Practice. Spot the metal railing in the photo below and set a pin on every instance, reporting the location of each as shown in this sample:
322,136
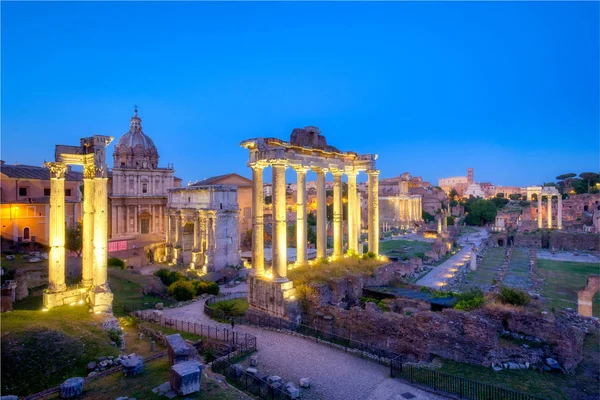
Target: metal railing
454,385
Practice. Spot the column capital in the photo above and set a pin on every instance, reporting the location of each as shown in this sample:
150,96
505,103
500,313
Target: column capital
351,172
57,169
89,171
337,173
279,162
301,169
320,169
373,172
258,165
101,172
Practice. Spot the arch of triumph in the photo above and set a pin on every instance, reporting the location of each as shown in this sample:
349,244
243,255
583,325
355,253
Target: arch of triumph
91,154
548,192
271,292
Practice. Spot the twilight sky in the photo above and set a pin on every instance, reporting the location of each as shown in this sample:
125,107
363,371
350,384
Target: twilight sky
510,89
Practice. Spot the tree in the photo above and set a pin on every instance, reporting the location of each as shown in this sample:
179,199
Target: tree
549,184
247,240
500,195
311,219
481,212
499,202
74,240
268,199
566,176
311,235
453,194
589,176
291,235
427,217
514,196
564,181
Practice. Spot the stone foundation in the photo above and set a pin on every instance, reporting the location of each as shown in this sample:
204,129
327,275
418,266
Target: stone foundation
67,297
101,301
272,298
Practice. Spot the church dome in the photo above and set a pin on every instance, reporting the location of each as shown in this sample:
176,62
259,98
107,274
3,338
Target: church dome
135,149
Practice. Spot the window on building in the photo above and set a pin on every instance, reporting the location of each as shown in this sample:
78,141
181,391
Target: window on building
26,233
31,211
46,192
67,192
144,188
22,191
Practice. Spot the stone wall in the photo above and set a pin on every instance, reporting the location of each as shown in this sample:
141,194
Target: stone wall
29,278
575,241
533,240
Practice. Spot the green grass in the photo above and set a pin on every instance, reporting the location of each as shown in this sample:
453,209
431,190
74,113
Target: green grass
155,373
403,248
127,291
487,269
241,305
29,303
42,349
562,281
321,273
170,331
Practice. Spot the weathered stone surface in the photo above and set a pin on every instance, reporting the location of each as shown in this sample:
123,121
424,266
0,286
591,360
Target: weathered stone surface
251,370
238,370
132,365
159,306
304,382
178,349
10,396
254,361
72,387
292,390
185,377
273,379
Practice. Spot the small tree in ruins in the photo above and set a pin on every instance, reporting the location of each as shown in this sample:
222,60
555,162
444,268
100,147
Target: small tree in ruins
74,241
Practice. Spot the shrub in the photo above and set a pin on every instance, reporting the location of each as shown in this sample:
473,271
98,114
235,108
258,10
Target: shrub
116,262
201,287
115,336
516,297
469,300
369,255
182,290
169,277
213,288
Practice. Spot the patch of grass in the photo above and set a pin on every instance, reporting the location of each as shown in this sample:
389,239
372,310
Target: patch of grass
155,373
170,331
562,281
321,273
406,248
239,306
127,289
29,303
42,349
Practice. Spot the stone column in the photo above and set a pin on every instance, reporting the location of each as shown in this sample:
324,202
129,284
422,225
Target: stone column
445,221
211,241
439,224
352,206
321,215
373,210
279,238
559,215
169,239
337,214
195,251
539,201
87,251
549,211
258,229
56,257
421,209
100,231
301,223
358,220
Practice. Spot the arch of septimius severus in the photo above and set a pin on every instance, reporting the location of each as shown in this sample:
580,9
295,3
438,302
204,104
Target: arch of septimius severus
91,154
549,192
271,291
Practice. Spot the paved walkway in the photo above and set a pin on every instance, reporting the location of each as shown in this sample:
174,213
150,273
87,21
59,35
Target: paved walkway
334,374
440,275
568,256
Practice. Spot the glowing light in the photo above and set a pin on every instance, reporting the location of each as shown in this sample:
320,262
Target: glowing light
73,303
97,312
292,297
80,301
269,275
44,309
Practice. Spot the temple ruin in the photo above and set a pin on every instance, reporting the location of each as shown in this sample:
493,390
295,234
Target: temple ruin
403,210
91,154
270,291
549,192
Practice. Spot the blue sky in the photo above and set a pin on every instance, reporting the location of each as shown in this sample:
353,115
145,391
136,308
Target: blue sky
508,88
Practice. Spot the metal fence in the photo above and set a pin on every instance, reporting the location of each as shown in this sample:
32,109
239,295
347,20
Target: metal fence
454,385
248,382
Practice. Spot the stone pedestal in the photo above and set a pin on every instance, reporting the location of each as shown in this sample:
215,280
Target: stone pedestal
196,260
72,387
273,298
101,301
51,300
132,365
185,377
177,256
177,348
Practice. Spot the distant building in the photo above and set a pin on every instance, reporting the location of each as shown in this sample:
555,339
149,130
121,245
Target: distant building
474,190
138,199
25,197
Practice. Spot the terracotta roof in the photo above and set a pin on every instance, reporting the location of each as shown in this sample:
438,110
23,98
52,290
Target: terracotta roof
34,172
217,180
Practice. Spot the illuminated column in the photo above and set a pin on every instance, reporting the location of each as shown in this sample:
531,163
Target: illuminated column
439,224
321,215
100,230
195,251
56,258
337,214
353,233
539,201
205,242
87,263
169,238
373,210
445,221
279,240
559,216
212,241
421,209
549,211
258,229
301,227
358,221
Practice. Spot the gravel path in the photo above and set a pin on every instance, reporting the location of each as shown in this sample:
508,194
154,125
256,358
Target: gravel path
334,374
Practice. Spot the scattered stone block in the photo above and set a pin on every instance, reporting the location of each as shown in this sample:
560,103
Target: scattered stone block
292,390
10,257
185,377
273,379
159,306
238,370
72,387
251,371
254,361
9,396
35,259
92,366
304,382
132,365
552,363
177,348
44,256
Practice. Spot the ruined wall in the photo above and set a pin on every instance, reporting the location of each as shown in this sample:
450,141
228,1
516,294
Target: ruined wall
533,240
575,241
29,278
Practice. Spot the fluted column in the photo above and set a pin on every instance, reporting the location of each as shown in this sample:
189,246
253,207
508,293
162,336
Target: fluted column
539,201
421,209
337,214
439,224
321,215
373,210
100,230
56,258
352,206
301,223
87,246
358,220
549,211
559,214
279,241
258,229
